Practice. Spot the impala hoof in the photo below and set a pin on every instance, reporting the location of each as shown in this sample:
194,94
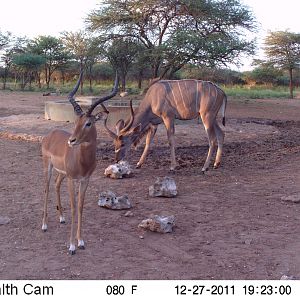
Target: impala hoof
72,249
216,166
174,168
204,170
62,220
72,252
81,245
44,227
138,166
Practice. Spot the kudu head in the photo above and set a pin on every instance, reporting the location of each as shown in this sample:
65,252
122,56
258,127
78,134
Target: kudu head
85,129
125,135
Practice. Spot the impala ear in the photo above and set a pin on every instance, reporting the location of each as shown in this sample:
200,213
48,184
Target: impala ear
119,126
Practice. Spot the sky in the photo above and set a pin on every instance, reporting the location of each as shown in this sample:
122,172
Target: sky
32,18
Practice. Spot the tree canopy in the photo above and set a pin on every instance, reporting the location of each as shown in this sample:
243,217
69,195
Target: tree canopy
283,51
53,51
27,63
174,33
4,39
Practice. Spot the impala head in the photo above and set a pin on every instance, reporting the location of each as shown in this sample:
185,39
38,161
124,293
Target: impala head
125,135
85,129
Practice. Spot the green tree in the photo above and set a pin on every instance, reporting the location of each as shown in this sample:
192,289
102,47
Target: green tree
27,64
102,71
54,53
283,51
264,72
14,45
4,39
84,49
175,32
221,76
121,53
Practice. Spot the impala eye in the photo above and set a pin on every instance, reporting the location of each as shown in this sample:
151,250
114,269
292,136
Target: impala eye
88,124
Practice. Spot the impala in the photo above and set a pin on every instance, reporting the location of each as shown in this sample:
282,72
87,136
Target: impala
165,101
73,156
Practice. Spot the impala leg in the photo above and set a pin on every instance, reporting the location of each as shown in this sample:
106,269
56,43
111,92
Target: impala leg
71,189
60,177
81,195
169,123
220,137
149,138
47,175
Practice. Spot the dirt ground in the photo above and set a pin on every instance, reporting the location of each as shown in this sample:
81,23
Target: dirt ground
231,223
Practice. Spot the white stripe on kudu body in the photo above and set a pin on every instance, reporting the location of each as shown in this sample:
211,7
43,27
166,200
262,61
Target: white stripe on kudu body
165,101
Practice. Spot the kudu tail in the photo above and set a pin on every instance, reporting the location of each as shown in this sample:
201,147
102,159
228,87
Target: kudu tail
223,108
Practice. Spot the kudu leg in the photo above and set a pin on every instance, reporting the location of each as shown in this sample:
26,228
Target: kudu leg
81,195
47,176
60,177
149,138
71,189
220,137
212,141
169,123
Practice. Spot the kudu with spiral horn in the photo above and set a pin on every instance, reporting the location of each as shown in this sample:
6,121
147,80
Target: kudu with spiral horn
165,101
73,156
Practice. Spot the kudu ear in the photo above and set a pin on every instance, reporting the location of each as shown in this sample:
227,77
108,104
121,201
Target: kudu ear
119,126
102,114
99,116
137,129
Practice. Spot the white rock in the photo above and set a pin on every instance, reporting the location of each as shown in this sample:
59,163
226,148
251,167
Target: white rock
124,94
4,220
119,170
162,224
110,200
128,214
287,277
291,198
163,187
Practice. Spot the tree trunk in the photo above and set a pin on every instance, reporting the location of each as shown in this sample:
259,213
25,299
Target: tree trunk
46,77
90,77
291,82
30,80
140,79
81,83
5,78
23,81
39,80
123,83
63,77
16,79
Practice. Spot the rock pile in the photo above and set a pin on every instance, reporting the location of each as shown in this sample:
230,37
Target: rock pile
162,224
119,170
163,187
110,200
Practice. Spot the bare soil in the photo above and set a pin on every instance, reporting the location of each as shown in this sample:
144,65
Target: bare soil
231,223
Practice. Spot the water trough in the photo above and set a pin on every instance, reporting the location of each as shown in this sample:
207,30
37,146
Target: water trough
62,110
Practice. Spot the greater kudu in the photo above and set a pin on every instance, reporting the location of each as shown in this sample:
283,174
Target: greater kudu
165,101
73,156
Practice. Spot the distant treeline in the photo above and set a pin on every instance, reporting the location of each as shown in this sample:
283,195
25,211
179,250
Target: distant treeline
102,72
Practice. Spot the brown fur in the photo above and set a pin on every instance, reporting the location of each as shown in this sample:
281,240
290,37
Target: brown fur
167,100
73,156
